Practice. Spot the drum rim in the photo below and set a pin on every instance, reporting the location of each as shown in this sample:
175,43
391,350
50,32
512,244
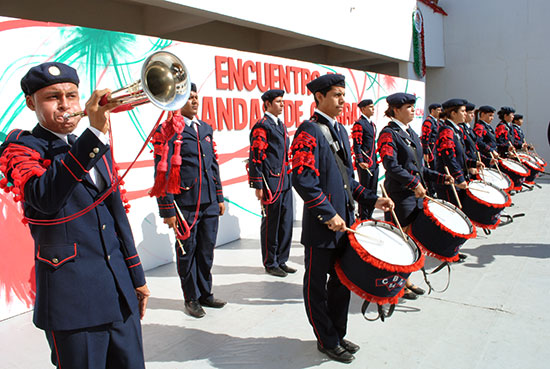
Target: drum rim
443,227
483,202
530,164
380,264
504,175
502,163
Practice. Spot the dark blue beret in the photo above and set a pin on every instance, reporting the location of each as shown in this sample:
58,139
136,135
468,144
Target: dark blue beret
270,95
470,106
507,110
365,102
326,81
518,116
193,87
453,103
486,109
434,106
47,74
400,98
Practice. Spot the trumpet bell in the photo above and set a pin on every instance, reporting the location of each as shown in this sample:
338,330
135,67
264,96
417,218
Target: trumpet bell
165,81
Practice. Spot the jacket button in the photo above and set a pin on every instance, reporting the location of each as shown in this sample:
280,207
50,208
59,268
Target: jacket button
92,155
108,257
95,150
103,227
55,260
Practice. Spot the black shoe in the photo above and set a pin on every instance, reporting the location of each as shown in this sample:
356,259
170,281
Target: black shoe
350,347
462,256
287,269
416,289
409,295
194,308
338,353
212,302
276,271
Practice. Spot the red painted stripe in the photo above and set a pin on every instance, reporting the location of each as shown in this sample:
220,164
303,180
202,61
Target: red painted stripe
56,351
22,23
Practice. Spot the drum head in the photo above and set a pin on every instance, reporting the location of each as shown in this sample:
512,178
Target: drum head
493,177
385,243
530,161
449,216
514,166
487,193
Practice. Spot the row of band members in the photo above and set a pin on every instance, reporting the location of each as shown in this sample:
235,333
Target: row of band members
90,286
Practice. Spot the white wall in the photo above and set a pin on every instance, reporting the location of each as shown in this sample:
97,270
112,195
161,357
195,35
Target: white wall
379,26
498,53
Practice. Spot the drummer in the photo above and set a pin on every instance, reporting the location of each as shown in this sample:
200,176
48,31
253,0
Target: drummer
451,152
518,138
406,175
504,132
469,136
486,140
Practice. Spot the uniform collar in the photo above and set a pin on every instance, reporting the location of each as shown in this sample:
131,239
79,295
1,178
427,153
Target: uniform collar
60,135
364,116
403,126
189,121
332,121
271,116
455,126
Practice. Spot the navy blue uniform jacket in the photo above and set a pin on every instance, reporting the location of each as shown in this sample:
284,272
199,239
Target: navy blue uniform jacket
504,135
429,135
317,180
364,142
269,145
194,173
87,267
451,152
519,137
486,141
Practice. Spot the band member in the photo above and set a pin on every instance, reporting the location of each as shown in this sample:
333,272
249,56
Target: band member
486,140
451,151
328,194
268,175
429,133
364,149
90,285
504,132
406,176
519,136
188,176
468,135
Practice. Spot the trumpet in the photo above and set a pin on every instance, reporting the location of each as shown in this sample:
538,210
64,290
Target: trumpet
164,82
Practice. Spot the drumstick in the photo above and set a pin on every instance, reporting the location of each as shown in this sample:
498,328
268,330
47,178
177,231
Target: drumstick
393,214
496,164
454,189
439,202
362,235
481,172
176,229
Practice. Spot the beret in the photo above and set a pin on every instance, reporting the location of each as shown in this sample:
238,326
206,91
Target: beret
400,99
47,74
486,109
518,116
454,102
326,81
193,87
507,110
269,95
470,106
434,106
365,102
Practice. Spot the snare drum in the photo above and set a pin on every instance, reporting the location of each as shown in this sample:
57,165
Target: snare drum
496,178
533,165
516,171
441,228
483,203
376,267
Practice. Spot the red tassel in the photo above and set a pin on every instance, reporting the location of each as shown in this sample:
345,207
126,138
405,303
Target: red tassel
174,179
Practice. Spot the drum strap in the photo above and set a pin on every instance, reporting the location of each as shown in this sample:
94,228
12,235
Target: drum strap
441,266
411,147
382,315
335,147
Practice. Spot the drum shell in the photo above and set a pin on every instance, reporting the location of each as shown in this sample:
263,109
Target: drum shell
483,214
516,177
437,239
534,168
370,278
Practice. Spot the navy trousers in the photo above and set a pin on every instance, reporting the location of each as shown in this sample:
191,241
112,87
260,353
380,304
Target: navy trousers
326,304
116,345
370,182
194,268
276,231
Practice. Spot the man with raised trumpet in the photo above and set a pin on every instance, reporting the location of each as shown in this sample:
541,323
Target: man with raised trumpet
188,189
90,285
